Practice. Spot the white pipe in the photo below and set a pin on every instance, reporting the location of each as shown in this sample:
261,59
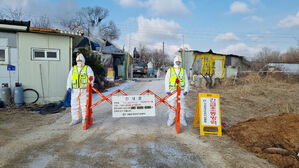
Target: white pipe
13,27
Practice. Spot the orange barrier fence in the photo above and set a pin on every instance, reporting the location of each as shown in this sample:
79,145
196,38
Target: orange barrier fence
88,118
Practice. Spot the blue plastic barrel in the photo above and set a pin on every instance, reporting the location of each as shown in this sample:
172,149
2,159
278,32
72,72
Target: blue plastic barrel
19,95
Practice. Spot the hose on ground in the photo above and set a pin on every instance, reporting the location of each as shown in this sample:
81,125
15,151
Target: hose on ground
37,95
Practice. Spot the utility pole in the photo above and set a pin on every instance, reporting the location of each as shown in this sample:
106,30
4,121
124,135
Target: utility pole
163,54
129,43
183,53
163,48
127,68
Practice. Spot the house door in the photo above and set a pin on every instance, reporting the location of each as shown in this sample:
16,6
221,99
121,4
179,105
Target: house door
218,68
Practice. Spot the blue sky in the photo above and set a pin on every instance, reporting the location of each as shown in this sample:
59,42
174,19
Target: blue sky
241,27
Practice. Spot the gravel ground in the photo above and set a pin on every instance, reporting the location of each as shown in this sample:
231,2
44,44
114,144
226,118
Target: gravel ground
118,142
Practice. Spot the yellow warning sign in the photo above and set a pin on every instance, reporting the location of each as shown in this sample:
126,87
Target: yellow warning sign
110,74
207,115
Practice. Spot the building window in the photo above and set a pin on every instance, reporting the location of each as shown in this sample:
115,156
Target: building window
228,61
3,55
45,54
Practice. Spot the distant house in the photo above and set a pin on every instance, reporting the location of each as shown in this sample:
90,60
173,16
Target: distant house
223,65
119,61
112,56
41,58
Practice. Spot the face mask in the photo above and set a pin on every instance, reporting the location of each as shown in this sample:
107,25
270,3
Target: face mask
79,64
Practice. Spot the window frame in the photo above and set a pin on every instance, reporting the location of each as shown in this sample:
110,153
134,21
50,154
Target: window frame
45,50
6,55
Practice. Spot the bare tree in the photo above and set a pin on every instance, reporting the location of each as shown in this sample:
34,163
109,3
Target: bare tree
1,15
291,56
94,15
155,56
109,31
90,18
297,39
42,22
266,55
12,14
74,24
158,58
144,52
90,21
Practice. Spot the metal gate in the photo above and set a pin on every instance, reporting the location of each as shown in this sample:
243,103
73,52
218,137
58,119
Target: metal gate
88,118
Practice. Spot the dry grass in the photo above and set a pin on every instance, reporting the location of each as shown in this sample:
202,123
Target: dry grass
255,78
254,95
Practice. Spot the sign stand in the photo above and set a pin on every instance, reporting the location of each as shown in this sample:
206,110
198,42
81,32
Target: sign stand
207,115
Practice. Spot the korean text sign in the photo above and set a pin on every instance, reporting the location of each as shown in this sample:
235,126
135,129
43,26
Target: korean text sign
133,106
210,111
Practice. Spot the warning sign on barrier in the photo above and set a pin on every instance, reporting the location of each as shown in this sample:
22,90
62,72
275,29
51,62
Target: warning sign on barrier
133,106
207,115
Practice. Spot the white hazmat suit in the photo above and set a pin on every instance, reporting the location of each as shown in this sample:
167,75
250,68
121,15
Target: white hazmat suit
79,95
172,99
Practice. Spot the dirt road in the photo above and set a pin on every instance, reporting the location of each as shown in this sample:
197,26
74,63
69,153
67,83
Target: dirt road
115,142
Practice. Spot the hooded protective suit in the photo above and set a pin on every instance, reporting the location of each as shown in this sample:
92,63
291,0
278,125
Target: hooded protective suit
172,100
76,82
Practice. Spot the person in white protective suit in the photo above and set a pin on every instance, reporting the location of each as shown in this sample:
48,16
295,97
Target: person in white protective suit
170,85
77,81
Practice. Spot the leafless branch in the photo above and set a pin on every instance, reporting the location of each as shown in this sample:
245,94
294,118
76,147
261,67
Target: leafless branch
90,21
13,14
109,31
42,22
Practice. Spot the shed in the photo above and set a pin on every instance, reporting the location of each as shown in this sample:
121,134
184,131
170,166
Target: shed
111,51
222,65
42,59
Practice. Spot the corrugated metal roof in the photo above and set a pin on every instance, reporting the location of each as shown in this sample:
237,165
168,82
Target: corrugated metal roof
112,49
54,31
211,52
244,60
109,48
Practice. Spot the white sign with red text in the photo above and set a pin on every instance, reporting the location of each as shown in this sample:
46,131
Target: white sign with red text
210,115
133,106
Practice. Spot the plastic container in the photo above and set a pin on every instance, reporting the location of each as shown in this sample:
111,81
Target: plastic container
150,67
5,94
19,95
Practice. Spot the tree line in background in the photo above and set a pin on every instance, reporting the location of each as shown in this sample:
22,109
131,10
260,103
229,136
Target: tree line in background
156,56
267,55
88,20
